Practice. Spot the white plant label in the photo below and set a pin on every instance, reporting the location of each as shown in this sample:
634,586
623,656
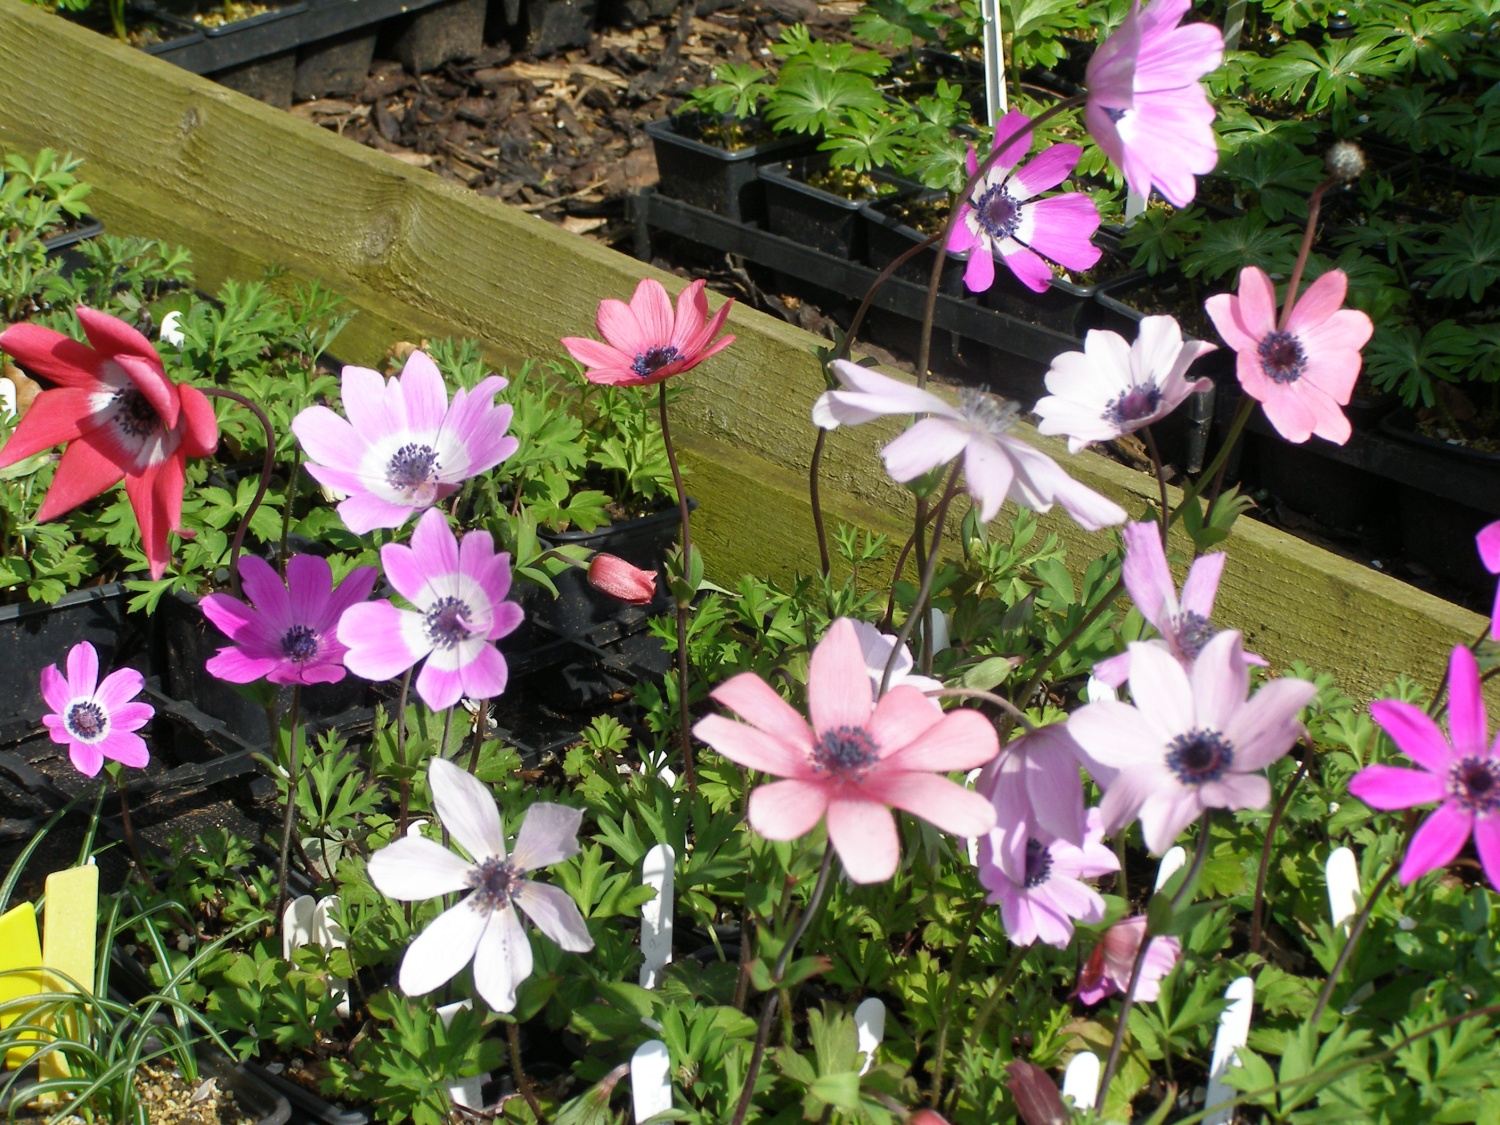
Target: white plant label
973,842
1343,888
468,1093
1171,864
994,62
330,935
650,1080
1081,1080
296,925
656,915
869,1026
1135,207
1234,1033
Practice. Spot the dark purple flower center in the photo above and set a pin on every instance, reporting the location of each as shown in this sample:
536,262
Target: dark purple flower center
845,751
1115,115
447,622
1474,782
1132,406
1038,863
1199,756
134,413
495,882
1282,357
299,643
87,720
648,363
990,413
412,467
998,212
1193,632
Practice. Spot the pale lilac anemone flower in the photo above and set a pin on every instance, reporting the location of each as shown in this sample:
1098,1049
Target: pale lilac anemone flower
1146,108
1004,219
875,647
1301,375
403,447
457,590
287,634
1109,966
996,465
1191,741
96,720
1112,388
482,927
1042,896
645,342
1461,773
1488,540
859,759
1037,791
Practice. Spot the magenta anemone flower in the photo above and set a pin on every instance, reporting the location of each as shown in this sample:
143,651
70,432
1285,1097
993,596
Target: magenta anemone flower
1146,109
287,633
1041,897
1303,374
481,927
859,759
1004,219
1488,540
457,591
1191,741
1463,774
997,466
93,720
1111,388
403,447
645,341
1109,966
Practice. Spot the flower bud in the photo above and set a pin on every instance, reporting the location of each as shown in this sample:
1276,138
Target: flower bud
612,575
926,1117
1345,161
1038,1101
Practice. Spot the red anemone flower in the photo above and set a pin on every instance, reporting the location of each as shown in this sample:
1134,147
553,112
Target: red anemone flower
120,417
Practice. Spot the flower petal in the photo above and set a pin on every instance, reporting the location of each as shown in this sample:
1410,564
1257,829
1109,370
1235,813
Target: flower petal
864,835
940,802
1417,735
747,746
1438,842
502,960
758,703
442,949
838,687
1466,717
785,810
83,668
414,868
1391,787
548,835
555,914
467,809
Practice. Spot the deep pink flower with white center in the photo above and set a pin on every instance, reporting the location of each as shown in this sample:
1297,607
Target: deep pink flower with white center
996,465
1037,792
457,591
859,759
1146,108
96,720
1112,388
1109,966
1488,540
1301,375
483,926
1191,741
645,341
403,447
1461,771
1004,219
1042,896
287,634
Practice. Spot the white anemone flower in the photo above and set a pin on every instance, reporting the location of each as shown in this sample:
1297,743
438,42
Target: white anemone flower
482,926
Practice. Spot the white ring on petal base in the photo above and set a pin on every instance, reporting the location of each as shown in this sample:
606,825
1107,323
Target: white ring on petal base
67,713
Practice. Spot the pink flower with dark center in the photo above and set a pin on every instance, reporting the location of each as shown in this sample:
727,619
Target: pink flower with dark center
612,575
1041,897
403,447
287,634
1488,540
1109,966
96,720
457,592
645,341
859,759
1461,773
1004,219
1146,108
1301,374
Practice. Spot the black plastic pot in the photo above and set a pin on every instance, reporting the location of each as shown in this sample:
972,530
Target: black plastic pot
424,41
704,175
556,25
333,67
833,224
888,236
1065,305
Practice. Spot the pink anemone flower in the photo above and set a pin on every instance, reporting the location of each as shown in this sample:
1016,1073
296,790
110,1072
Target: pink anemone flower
1460,773
859,759
645,341
1037,790
1488,541
287,634
96,720
1041,897
612,575
1004,219
457,591
1301,374
403,447
1109,966
1146,108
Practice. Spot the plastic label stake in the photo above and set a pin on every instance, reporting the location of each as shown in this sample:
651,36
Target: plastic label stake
1081,1080
1234,1033
1343,888
869,1026
20,948
296,925
70,936
468,1093
650,1080
330,935
656,915
994,63
1171,863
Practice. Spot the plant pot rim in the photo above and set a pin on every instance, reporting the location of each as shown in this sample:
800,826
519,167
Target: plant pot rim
788,173
20,611
1400,424
664,130
612,530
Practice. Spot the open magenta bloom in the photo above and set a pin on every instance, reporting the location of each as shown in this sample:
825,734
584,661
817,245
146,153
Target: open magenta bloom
96,720
859,759
457,591
1461,772
403,447
1146,108
121,418
1004,219
645,342
1301,375
288,633
1042,896
1109,966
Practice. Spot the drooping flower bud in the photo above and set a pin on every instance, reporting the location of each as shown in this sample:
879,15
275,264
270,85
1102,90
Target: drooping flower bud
1345,161
1038,1101
612,575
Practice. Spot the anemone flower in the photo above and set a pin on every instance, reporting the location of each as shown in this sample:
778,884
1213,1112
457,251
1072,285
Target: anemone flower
1044,895
1302,374
1111,388
287,634
1004,219
1109,966
96,720
645,341
403,447
1461,773
1192,741
1037,793
997,466
875,648
1146,109
482,926
612,575
1488,541
860,758
120,417
457,590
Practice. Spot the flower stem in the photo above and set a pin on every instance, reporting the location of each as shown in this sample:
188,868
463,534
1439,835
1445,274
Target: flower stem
1355,929
291,500
955,978
884,276
128,830
401,753
982,1017
289,818
1265,851
999,701
1161,481
684,713
481,718
265,478
815,497
929,571
523,1080
1314,205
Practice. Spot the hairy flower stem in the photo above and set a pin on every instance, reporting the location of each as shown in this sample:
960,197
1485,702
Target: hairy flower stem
291,500
128,830
289,818
401,753
1314,205
685,718
1083,626
955,978
1355,929
999,701
884,276
815,498
1220,463
265,479
1265,851
919,607
481,718
982,1017
1438,705
523,1080
1161,482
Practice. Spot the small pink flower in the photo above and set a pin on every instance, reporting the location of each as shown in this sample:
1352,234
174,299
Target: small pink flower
1146,109
1041,897
859,759
1462,775
1004,220
612,575
93,720
1488,540
1303,374
1109,966
645,341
